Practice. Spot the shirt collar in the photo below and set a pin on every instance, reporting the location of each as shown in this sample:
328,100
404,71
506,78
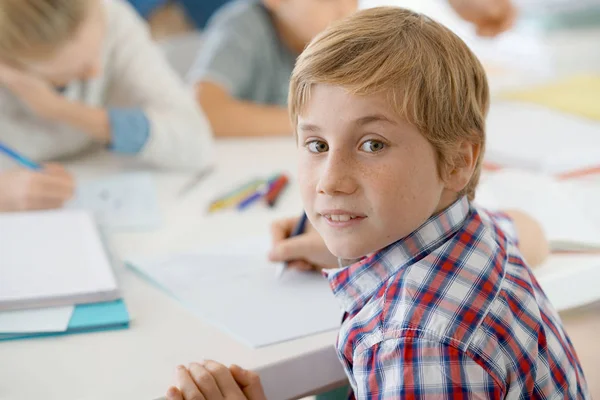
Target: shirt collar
355,284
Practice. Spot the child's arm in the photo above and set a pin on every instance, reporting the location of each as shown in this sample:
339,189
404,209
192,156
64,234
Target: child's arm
46,102
149,101
490,17
229,116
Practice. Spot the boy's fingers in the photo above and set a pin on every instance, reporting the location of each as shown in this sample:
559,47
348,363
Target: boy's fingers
56,187
301,265
205,382
249,382
281,229
187,386
222,375
174,394
298,247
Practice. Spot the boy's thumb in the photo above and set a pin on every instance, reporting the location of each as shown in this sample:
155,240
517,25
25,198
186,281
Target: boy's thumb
248,381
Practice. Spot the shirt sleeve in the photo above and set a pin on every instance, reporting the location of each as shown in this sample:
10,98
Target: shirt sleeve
151,112
228,55
413,368
506,224
129,129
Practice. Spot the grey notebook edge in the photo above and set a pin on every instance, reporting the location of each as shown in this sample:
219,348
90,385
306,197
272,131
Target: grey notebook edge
69,300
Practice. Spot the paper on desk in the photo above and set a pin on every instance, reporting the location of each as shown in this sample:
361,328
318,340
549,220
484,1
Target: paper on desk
568,211
578,95
536,138
570,280
53,319
240,294
121,202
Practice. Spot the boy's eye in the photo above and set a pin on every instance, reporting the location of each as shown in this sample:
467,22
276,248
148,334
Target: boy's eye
372,146
317,146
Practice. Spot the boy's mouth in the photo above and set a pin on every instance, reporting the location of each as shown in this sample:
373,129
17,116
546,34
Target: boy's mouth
341,217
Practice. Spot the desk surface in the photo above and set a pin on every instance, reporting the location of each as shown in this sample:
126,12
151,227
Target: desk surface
138,363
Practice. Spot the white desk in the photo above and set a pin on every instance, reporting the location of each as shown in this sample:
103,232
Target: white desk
138,363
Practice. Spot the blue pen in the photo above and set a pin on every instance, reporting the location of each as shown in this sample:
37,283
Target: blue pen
298,230
25,162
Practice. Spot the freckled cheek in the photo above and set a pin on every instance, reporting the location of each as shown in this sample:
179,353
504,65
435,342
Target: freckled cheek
308,178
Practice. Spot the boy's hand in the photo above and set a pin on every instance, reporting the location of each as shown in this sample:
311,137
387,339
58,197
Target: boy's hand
213,381
37,94
491,17
22,189
305,252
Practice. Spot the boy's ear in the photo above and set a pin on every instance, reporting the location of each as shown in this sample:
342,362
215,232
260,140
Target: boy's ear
464,163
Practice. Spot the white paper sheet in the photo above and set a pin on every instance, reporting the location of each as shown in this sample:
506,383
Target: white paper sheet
532,137
237,291
52,258
120,202
54,319
567,210
570,280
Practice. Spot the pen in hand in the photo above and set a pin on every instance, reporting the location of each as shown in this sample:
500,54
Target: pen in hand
298,230
19,158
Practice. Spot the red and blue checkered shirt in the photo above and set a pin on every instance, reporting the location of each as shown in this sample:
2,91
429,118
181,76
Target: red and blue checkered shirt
452,312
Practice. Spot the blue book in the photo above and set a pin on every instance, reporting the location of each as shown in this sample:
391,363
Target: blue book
86,318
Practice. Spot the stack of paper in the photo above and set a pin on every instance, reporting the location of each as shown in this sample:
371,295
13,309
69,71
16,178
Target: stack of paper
55,275
536,138
567,210
240,293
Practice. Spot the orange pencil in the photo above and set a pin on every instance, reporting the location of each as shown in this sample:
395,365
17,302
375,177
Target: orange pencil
276,190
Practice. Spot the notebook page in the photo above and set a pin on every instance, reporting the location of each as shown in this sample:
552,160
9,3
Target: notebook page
529,136
241,295
120,202
52,258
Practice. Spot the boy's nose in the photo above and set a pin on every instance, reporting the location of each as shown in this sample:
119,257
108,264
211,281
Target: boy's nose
337,176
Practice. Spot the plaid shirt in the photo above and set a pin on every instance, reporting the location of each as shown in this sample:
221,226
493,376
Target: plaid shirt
452,312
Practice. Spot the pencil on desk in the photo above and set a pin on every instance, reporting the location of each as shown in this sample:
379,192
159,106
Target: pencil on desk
236,198
276,190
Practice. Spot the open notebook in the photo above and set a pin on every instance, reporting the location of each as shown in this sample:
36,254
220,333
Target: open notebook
567,210
532,137
53,258
234,287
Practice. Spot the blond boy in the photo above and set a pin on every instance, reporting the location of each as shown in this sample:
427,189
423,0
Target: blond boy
389,110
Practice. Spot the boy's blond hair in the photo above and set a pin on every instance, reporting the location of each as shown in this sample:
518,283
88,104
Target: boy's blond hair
34,29
429,75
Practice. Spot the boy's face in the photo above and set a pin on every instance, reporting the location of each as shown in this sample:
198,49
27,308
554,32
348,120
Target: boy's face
308,18
81,57
368,178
